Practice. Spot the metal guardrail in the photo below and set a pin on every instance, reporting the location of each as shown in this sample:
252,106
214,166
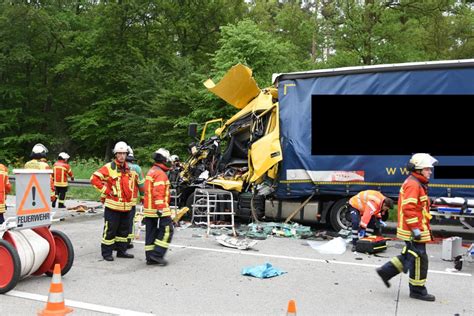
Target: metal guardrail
75,183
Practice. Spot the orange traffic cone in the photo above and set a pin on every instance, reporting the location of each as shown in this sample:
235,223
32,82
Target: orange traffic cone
55,305
291,308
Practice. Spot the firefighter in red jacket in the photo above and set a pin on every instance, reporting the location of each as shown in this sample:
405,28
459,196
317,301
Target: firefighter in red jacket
414,228
61,171
157,214
5,188
114,181
366,209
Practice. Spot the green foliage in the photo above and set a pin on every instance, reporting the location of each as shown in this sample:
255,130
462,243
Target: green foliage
79,76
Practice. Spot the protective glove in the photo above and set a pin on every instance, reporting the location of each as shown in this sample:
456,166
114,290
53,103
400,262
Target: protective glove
72,178
416,234
362,233
382,223
53,198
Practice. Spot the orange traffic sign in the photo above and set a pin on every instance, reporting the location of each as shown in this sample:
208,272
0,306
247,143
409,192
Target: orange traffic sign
33,200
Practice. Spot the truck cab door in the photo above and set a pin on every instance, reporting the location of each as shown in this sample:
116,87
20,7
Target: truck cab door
265,150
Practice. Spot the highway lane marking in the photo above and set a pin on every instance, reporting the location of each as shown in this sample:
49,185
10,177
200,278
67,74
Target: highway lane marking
298,258
77,304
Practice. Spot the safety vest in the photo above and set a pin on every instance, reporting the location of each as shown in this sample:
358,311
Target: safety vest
369,203
115,183
157,192
5,187
61,171
42,165
414,208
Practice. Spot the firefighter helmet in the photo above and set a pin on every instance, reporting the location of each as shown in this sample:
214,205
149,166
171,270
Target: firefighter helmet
121,147
39,149
130,156
174,158
161,155
421,161
64,156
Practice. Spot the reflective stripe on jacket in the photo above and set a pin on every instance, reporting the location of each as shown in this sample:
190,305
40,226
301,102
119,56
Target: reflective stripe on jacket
5,187
369,203
61,172
114,181
157,192
414,208
41,165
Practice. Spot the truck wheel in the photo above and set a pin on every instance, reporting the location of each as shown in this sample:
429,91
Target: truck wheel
64,252
10,266
340,216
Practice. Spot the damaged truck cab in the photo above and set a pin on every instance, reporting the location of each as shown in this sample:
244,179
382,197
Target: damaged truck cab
280,159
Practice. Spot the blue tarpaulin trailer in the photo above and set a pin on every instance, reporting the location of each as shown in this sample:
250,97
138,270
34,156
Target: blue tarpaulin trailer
351,129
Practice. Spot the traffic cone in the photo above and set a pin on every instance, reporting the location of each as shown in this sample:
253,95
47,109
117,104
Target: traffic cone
291,308
55,305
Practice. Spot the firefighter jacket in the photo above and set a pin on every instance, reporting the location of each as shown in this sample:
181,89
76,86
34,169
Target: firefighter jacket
5,187
157,192
414,208
114,181
369,203
138,182
41,164
61,171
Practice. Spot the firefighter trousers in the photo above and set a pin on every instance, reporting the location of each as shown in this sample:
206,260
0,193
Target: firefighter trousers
159,233
131,231
61,196
414,259
114,236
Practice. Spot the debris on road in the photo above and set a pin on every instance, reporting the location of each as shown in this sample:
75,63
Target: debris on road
233,242
264,271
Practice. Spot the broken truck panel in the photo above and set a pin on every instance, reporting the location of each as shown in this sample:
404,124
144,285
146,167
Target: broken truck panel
237,87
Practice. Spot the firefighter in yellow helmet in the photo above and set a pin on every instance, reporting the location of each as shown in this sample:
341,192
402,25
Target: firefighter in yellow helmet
414,228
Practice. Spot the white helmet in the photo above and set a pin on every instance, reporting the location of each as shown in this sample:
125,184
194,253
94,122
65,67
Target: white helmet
420,161
39,149
130,151
120,147
163,152
63,155
174,158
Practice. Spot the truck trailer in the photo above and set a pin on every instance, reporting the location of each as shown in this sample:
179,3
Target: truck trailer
302,147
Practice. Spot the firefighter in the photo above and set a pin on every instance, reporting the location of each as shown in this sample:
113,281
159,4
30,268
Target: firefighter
114,181
366,209
158,223
138,187
414,228
38,161
5,188
61,171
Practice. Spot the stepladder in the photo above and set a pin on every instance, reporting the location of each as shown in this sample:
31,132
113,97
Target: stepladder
212,205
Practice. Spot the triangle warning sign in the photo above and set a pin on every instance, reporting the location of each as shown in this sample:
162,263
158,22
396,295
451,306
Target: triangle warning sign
33,200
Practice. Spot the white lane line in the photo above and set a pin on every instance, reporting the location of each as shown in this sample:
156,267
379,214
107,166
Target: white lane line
299,258
77,304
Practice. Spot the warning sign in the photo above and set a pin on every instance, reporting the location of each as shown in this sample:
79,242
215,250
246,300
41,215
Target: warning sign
32,197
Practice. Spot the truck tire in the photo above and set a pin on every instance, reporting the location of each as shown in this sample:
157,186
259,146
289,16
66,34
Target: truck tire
339,216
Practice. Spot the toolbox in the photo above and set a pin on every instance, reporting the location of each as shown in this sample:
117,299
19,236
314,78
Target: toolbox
371,244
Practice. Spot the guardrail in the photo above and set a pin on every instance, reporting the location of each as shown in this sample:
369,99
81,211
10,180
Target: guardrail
75,183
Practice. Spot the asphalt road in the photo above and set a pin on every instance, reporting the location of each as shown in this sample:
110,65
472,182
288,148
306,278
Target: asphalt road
204,278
